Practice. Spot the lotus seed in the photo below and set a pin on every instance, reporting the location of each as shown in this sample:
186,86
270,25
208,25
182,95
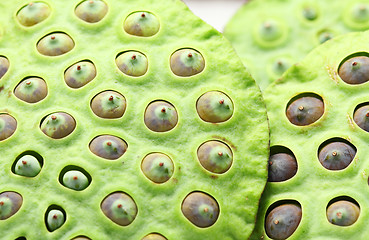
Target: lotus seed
282,166
55,219
27,166
336,155
132,63
270,30
58,125
75,180
305,110
31,90
361,117
143,24
186,62
201,209
91,11
8,125
282,221
108,147
33,13
119,208
81,238
215,156
157,167
55,44
109,104
343,213
310,13
10,203
79,74
214,107
154,236
4,66
360,13
160,116
355,70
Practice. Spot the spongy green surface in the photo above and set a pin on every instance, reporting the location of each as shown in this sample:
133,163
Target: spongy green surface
314,186
159,206
300,35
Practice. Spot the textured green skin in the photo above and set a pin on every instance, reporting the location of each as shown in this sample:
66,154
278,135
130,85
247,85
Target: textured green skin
159,206
302,34
313,186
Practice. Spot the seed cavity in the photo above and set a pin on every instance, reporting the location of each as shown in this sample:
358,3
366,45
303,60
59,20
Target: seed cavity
109,104
55,217
143,24
8,125
10,203
120,208
305,109
215,156
282,164
79,74
91,11
33,13
154,236
132,63
28,164
200,209
4,66
108,147
336,154
31,90
75,178
343,211
354,70
55,44
160,116
187,62
58,125
157,167
214,107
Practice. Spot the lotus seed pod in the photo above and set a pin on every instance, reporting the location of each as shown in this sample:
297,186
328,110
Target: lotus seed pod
91,11
132,63
186,62
8,125
143,24
55,44
160,116
361,117
305,110
75,180
109,104
79,74
343,213
157,167
215,156
58,125
119,208
282,221
10,203
154,236
289,27
33,13
355,70
55,219
282,166
108,147
31,90
27,166
4,66
214,107
336,155
200,209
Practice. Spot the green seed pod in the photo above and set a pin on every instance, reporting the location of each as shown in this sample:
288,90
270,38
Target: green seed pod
79,74
201,209
91,11
109,104
108,147
282,166
305,110
186,62
55,219
157,167
8,125
58,125
33,13
215,156
132,63
160,116
119,208
31,90
355,70
361,117
10,203
55,44
343,213
214,107
143,24
27,166
75,180
154,236
4,66
336,155
282,221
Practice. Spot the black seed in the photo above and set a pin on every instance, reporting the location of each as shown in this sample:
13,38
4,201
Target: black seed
282,166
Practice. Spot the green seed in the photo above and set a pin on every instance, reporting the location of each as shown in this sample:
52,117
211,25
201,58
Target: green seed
4,66
132,63
55,219
55,44
10,203
79,74
270,30
360,13
160,116
143,24
91,11
108,147
8,125
75,180
325,35
309,13
215,156
186,62
214,107
336,155
157,167
343,213
58,125
33,13
109,104
31,90
27,166
305,110
355,70
154,236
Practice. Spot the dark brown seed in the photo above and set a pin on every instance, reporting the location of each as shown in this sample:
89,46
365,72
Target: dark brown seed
31,90
186,62
282,221
160,116
305,111
361,117
55,44
10,203
109,104
8,125
343,213
4,66
91,11
215,156
201,209
58,125
282,166
336,155
108,147
355,70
